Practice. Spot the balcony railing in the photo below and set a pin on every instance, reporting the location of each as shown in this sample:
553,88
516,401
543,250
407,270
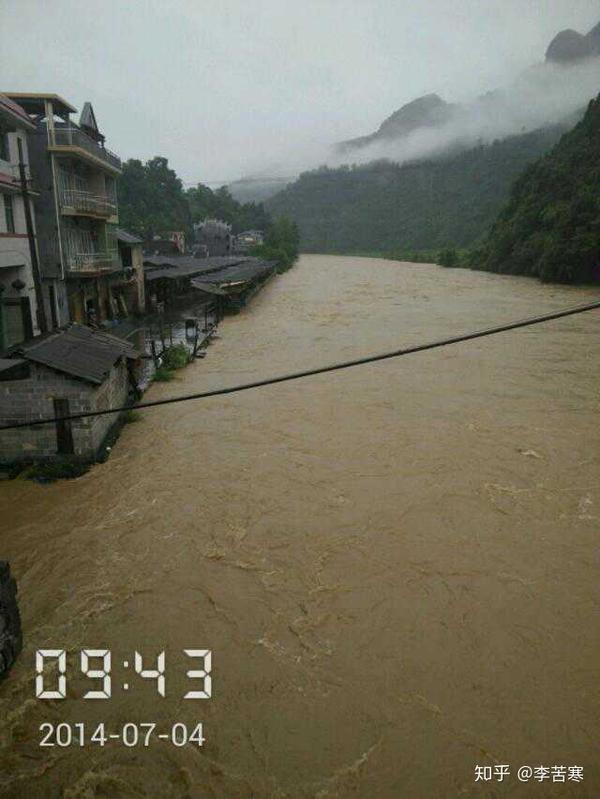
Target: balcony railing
87,203
75,137
93,261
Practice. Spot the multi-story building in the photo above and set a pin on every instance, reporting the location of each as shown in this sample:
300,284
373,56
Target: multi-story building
18,305
76,211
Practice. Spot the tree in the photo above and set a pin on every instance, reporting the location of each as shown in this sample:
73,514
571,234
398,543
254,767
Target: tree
152,202
151,198
415,206
281,243
550,227
205,203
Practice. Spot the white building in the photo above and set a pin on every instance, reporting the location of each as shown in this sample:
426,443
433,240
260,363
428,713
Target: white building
18,306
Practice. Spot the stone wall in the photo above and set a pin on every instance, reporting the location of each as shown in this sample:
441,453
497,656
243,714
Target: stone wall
32,398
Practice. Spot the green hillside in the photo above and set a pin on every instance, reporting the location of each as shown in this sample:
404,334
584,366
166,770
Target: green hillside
550,227
382,206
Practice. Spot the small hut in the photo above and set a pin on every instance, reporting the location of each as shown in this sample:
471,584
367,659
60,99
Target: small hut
71,370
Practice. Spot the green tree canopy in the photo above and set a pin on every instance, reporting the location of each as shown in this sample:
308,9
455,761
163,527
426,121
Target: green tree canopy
281,243
550,227
151,198
383,207
152,201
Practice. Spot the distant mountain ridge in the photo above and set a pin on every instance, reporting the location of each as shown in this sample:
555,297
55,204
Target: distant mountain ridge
569,46
257,189
429,204
431,128
430,112
427,111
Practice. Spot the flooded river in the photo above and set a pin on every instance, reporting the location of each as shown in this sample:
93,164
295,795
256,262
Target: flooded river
395,567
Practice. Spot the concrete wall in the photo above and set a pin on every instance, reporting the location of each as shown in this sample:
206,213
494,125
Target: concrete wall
15,259
32,398
138,264
47,227
131,257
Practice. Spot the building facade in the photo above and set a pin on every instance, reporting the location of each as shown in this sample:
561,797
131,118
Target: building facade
132,261
76,211
18,302
215,236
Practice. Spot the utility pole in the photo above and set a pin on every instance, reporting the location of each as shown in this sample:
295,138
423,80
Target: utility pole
35,264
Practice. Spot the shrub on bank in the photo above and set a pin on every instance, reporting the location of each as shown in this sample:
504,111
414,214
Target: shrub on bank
280,245
175,357
59,469
448,258
162,375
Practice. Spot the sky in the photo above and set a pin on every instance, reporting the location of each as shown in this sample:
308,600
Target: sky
231,88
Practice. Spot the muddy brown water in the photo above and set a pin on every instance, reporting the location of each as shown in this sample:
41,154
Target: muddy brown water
395,567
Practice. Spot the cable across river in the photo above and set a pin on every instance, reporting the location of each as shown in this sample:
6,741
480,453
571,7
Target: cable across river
269,381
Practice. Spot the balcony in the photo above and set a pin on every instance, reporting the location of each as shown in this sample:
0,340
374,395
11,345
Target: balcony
89,263
85,203
70,136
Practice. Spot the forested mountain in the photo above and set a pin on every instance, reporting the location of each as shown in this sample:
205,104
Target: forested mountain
384,206
550,227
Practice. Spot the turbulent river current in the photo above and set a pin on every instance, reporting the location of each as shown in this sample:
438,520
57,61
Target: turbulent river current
395,567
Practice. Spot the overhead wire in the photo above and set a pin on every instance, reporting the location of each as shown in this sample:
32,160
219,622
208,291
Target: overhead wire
269,381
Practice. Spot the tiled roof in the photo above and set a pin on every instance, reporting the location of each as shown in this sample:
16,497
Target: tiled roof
126,237
14,110
174,266
78,351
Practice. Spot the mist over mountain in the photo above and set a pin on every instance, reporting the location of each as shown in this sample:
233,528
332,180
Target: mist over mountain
569,46
541,95
388,207
257,189
429,111
429,126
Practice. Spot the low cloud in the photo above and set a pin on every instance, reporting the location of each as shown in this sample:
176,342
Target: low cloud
543,95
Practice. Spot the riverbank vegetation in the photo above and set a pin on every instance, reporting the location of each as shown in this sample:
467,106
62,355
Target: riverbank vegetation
281,244
550,227
428,205
173,358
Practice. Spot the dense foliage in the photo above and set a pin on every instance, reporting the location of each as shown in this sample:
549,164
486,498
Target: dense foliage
382,207
152,201
281,243
151,198
550,227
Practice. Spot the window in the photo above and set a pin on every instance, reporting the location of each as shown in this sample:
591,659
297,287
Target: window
9,213
4,148
16,324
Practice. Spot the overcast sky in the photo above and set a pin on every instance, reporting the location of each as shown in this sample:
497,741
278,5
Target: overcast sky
235,87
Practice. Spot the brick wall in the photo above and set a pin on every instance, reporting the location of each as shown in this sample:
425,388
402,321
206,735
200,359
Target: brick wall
32,398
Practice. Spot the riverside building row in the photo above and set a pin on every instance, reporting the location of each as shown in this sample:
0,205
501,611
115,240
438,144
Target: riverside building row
70,278
66,269
69,262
